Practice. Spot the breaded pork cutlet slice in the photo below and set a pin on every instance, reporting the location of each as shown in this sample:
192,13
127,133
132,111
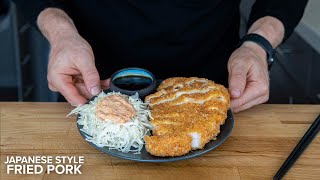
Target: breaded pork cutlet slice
176,144
202,130
185,107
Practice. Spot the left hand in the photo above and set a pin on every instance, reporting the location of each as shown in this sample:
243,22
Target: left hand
248,77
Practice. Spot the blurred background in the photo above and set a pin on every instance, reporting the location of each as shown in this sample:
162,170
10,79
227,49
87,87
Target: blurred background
24,55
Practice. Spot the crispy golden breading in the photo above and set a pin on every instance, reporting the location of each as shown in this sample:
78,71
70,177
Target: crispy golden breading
185,107
168,144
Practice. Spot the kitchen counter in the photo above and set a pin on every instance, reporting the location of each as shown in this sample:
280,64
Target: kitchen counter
261,140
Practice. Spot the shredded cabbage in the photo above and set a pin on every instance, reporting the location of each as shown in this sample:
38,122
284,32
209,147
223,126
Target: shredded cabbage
125,137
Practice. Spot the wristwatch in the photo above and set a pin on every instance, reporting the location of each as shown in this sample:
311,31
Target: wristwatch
262,42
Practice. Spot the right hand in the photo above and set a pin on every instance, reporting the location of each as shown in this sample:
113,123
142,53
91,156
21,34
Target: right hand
72,71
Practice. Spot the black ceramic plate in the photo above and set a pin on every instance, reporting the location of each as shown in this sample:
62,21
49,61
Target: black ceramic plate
144,156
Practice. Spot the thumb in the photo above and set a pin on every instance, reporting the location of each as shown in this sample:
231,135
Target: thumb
105,83
91,78
237,80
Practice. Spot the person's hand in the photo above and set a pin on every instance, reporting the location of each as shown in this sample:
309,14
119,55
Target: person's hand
72,71
248,77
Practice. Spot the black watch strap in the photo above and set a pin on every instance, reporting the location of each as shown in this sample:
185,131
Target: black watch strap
261,41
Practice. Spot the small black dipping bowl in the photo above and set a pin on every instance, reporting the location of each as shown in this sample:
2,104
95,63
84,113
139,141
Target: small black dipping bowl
133,80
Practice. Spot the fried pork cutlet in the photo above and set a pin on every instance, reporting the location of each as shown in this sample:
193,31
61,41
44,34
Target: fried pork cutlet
186,114
176,144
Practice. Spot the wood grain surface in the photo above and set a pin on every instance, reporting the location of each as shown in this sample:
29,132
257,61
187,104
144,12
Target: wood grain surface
261,140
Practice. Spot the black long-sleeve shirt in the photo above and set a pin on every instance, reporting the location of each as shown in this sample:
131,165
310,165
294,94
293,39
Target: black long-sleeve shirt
169,37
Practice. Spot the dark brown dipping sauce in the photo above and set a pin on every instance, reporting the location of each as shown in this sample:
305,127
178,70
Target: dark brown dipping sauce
132,82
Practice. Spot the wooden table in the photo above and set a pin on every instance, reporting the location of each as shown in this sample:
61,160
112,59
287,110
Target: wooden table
261,140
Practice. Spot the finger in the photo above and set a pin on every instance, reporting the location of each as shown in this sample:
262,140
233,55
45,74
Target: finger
78,79
105,83
66,87
52,88
83,90
237,79
90,76
250,104
252,92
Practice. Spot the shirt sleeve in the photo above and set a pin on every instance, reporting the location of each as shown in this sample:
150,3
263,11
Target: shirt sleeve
289,12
